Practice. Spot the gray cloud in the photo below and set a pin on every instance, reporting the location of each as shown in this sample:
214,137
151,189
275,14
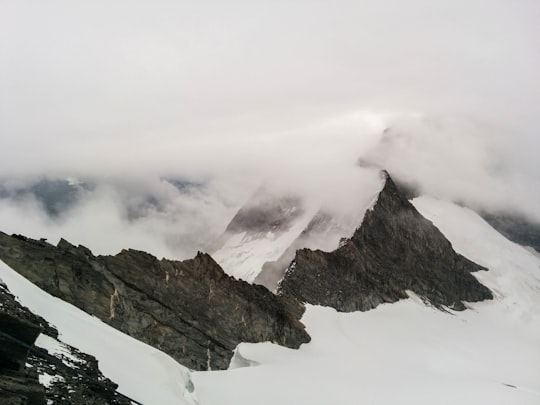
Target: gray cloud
461,160
229,93
147,214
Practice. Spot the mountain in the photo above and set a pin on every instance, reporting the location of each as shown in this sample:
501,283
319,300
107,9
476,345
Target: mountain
35,366
395,250
393,256
407,352
325,232
142,373
191,310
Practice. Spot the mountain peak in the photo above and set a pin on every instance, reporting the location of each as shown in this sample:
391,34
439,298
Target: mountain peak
394,251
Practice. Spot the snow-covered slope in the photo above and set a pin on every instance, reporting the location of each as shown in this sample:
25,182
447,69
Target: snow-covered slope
142,372
407,353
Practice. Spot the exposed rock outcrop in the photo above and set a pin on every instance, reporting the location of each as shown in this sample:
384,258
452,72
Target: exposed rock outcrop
189,309
395,249
31,375
18,385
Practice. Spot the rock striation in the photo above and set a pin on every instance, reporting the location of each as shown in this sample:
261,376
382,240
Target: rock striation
395,250
189,309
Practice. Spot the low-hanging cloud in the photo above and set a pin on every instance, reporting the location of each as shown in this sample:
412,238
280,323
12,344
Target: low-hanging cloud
151,215
458,159
228,94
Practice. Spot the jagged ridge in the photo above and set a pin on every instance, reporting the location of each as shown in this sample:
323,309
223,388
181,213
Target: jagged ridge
189,309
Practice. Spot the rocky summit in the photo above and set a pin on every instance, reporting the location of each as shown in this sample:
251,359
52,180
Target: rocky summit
189,309
394,251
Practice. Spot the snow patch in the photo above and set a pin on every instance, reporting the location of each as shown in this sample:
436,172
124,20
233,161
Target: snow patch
47,380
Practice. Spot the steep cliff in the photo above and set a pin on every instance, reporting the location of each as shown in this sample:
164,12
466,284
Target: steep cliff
31,374
18,330
189,309
394,250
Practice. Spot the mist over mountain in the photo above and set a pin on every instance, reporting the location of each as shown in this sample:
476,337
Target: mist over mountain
169,217
232,96
459,159
251,137
175,216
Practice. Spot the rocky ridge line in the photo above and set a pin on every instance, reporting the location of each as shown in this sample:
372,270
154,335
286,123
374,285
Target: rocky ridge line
395,250
189,309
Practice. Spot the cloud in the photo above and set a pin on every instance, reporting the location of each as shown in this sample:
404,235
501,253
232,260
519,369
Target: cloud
459,159
229,93
176,216
151,215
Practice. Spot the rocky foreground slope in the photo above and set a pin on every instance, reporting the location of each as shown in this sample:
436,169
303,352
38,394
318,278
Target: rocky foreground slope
395,250
32,375
189,309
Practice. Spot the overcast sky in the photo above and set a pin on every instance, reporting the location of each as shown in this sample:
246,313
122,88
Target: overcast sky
92,85
217,88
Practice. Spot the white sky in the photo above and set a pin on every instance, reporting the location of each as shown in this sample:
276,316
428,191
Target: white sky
109,84
295,89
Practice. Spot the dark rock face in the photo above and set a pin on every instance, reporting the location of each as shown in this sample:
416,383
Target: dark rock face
327,229
18,385
394,250
12,354
74,380
20,388
189,309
